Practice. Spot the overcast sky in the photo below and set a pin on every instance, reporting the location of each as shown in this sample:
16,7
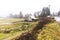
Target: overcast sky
26,6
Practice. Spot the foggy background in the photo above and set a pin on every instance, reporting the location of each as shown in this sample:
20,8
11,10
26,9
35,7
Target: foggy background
26,6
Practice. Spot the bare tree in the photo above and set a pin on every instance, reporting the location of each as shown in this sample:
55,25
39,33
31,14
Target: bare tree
45,12
11,15
59,13
20,15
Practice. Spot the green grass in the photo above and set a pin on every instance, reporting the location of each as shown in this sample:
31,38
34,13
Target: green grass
51,31
9,35
8,26
15,27
2,36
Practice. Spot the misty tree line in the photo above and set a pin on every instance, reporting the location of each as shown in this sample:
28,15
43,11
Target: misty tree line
45,12
20,15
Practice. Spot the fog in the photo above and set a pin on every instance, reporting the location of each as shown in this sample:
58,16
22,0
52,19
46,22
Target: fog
26,6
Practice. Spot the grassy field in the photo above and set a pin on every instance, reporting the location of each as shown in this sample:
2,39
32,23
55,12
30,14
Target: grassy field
4,36
3,27
51,31
13,28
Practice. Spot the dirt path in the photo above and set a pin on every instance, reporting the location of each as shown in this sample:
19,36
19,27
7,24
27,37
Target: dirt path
32,35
